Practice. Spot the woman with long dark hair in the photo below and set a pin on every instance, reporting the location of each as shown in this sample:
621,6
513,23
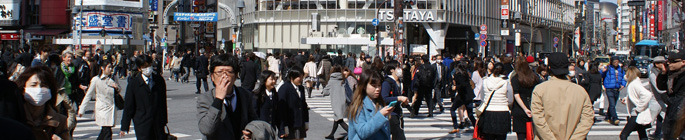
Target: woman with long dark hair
523,84
495,121
265,97
592,82
464,95
40,94
367,115
104,88
477,77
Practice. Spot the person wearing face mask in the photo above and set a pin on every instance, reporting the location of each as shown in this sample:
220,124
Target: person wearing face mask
40,95
392,91
439,88
104,88
572,76
613,83
145,92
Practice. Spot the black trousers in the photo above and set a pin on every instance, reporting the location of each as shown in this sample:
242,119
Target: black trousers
437,96
199,82
494,137
105,133
427,96
631,126
397,127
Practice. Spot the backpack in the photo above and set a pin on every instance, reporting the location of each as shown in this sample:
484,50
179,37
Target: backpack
348,92
426,76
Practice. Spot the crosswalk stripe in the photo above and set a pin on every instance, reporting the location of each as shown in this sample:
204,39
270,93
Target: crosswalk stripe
422,127
86,128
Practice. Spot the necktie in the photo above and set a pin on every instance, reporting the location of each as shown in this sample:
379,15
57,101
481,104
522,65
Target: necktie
228,102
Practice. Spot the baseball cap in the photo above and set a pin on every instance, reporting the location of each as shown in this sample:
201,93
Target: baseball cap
677,54
558,63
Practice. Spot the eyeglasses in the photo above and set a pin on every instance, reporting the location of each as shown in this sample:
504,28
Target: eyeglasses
224,73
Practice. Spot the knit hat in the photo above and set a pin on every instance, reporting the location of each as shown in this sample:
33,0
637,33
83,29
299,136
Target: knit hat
530,59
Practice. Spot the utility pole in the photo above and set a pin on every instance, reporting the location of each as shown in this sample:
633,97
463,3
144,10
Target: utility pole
531,6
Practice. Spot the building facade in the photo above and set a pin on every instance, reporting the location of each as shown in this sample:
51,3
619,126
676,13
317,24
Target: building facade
429,26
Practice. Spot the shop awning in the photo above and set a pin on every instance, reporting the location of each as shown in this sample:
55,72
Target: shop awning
46,32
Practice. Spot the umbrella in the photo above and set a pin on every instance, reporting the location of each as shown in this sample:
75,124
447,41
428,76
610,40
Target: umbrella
261,55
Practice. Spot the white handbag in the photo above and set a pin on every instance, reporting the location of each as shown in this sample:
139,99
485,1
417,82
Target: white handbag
644,117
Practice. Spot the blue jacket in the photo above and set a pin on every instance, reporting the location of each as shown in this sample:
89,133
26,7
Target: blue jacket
389,91
369,124
610,81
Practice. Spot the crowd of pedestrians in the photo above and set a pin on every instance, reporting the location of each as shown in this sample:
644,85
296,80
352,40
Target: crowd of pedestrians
540,97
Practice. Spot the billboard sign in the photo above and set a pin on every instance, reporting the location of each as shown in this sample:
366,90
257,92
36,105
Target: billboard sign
9,11
110,21
120,3
200,17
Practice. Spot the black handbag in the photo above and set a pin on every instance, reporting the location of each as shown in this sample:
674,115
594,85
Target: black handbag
118,100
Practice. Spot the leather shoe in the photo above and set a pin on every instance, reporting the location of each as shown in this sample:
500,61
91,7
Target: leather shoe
454,131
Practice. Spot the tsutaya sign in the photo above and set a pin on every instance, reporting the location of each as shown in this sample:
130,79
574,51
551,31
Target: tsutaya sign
410,15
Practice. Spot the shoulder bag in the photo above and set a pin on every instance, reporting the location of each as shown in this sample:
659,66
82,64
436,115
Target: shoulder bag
481,108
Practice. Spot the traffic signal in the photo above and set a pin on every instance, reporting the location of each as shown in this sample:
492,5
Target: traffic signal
103,33
373,37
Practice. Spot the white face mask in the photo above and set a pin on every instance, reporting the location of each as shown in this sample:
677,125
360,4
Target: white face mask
147,71
399,72
571,73
625,77
37,96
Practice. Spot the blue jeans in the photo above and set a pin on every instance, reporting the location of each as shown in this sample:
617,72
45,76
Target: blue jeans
469,111
612,96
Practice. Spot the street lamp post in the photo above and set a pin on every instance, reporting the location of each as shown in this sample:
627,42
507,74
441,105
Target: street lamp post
241,6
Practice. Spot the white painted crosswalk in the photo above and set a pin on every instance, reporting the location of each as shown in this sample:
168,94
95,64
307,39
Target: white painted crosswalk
437,127
87,129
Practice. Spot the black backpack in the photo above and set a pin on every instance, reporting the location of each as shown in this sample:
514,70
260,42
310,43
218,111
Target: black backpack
426,76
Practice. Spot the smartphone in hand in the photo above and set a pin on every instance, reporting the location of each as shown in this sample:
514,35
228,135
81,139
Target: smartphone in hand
392,104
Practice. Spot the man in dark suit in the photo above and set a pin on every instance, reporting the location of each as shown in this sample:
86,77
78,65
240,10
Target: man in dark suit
440,76
249,72
225,111
156,63
201,72
145,103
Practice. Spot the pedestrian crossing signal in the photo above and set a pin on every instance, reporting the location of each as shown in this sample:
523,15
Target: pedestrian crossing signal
103,33
373,37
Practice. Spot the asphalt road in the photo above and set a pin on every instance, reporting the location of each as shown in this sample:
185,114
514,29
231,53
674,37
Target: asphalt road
183,121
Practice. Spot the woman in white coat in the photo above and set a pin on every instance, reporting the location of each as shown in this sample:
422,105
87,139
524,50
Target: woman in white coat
103,87
637,102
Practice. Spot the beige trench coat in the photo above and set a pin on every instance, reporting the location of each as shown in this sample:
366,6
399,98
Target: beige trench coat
561,110
105,111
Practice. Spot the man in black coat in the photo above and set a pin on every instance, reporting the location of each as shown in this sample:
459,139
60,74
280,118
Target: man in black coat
145,103
187,63
156,63
672,79
84,73
201,72
424,84
226,110
249,72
